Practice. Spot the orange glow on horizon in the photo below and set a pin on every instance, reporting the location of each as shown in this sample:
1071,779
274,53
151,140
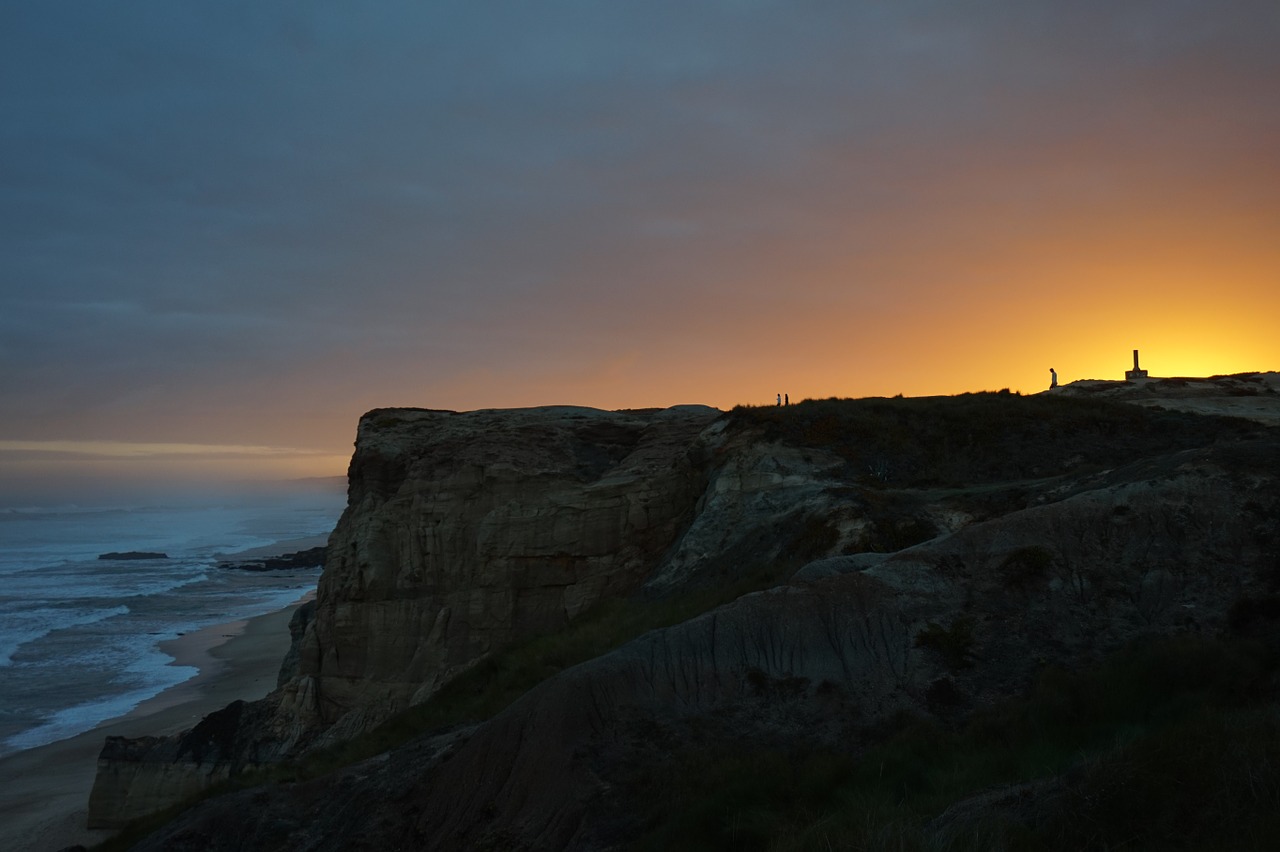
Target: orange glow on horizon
951,301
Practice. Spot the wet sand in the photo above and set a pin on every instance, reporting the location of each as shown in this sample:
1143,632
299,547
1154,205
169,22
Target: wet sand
44,791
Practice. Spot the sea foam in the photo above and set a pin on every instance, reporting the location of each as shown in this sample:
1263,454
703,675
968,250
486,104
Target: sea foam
79,636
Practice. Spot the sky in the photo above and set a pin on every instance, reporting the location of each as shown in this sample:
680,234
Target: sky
228,229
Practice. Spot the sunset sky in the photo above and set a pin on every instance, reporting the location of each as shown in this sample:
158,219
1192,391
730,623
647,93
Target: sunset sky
228,229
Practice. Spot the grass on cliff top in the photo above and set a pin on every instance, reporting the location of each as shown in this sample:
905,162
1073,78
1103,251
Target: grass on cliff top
977,438
1170,745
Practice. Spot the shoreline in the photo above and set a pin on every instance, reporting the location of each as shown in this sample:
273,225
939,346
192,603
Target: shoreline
44,791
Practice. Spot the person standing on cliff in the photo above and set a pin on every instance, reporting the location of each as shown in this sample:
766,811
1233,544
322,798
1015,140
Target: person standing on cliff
779,399
786,399
1053,378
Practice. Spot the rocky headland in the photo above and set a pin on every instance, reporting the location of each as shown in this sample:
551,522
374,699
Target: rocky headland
312,557
655,603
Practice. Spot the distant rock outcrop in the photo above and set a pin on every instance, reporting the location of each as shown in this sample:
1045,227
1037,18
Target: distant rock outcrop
310,558
132,555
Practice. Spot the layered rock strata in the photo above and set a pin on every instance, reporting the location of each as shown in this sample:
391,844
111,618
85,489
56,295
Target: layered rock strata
467,531
463,533
1066,528
1155,548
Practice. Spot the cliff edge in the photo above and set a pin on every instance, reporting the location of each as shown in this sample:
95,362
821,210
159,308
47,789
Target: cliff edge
922,558
463,533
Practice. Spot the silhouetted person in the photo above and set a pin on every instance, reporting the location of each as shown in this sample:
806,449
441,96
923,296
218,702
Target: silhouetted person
779,399
786,399
1053,378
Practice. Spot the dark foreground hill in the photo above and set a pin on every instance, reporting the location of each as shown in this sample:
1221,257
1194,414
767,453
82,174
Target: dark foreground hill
978,622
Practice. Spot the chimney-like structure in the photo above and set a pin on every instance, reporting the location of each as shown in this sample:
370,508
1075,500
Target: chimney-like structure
1135,373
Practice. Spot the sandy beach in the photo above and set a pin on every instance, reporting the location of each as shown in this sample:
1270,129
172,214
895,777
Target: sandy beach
44,791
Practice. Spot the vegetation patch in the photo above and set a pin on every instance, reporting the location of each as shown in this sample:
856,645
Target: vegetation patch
814,538
1026,566
889,535
1173,744
971,439
502,677
489,686
764,686
954,644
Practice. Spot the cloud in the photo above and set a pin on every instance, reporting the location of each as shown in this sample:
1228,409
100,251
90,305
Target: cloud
245,221
133,450
115,470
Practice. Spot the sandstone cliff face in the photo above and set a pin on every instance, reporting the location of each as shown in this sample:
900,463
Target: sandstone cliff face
756,492
137,777
465,532
1157,547
822,660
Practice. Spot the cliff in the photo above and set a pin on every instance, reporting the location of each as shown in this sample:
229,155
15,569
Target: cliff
464,532
919,557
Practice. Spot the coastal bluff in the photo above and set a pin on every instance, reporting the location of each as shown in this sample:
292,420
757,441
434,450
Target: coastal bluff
920,558
464,532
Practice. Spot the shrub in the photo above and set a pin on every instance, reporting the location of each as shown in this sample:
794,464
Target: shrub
889,535
1168,744
943,697
954,644
815,538
1026,566
1246,610
985,437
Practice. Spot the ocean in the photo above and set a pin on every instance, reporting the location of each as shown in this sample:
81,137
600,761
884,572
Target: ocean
79,636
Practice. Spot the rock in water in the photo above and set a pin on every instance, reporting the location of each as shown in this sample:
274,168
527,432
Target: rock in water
133,554
310,558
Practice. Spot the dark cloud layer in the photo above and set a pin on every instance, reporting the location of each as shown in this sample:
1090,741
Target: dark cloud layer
263,204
